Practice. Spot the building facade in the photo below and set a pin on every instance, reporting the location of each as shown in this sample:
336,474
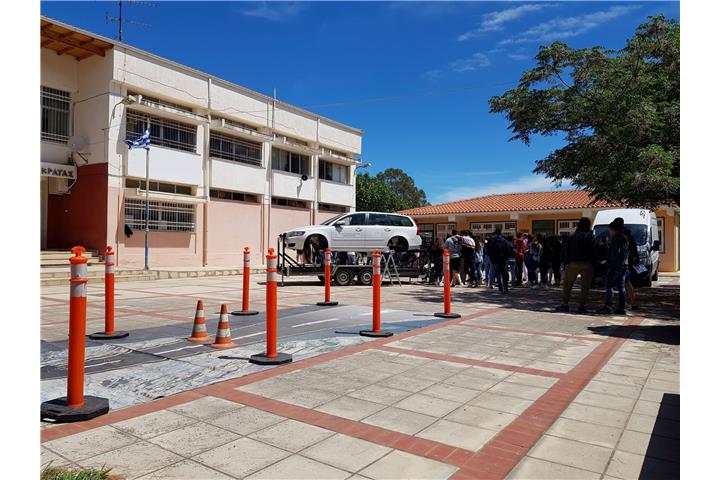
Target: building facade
549,213
228,167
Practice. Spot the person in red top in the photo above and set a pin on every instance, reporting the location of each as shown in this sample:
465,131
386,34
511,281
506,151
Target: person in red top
520,247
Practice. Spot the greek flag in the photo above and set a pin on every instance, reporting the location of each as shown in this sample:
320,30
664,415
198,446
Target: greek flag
142,142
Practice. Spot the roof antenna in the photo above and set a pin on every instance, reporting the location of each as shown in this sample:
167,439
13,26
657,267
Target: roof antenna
120,20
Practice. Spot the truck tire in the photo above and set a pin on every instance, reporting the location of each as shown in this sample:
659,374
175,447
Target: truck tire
343,277
364,276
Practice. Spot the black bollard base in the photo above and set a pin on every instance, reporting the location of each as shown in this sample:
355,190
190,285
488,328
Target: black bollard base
58,411
380,333
244,313
326,304
448,315
262,359
108,336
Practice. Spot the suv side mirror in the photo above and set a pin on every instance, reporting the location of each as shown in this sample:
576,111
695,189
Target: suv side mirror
655,246
340,223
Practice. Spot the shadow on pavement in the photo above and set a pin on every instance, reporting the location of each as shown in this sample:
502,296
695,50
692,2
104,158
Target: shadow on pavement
667,334
662,458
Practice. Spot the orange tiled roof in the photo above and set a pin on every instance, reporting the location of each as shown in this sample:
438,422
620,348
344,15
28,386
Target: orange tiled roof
514,202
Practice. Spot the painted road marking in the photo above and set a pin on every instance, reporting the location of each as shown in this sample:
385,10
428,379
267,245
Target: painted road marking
314,323
175,349
370,313
103,363
251,335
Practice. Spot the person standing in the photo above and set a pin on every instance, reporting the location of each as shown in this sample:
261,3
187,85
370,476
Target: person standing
633,261
512,260
545,260
487,265
454,248
436,253
555,258
532,260
500,250
579,258
467,252
617,263
520,247
479,254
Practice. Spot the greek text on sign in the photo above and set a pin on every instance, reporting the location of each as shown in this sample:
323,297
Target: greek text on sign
57,170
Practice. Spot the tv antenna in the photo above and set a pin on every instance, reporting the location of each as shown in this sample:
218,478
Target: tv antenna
120,20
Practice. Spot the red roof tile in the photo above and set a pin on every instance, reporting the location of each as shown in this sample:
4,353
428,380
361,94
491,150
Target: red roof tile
515,202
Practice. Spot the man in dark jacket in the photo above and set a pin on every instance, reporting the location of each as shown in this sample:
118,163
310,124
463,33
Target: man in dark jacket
579,257
499,250
617,261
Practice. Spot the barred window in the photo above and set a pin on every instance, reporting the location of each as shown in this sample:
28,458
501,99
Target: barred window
163,132
230,148
328,207
159,186
55,115
236,196
287,202
333,172
290,162
163,216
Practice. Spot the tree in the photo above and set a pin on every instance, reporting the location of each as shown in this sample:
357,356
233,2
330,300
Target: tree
619,112
404,186
372,194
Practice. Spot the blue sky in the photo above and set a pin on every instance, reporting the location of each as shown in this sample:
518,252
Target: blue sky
415,77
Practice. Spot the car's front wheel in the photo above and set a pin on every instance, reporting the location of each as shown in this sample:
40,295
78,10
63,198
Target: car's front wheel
314,249
399,244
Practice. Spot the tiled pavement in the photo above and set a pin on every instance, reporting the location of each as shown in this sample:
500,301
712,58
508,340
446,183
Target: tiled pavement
497,393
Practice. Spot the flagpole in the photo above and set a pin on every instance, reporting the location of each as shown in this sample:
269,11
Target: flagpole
147,199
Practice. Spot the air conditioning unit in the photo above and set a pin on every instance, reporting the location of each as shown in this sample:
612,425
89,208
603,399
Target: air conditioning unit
58,186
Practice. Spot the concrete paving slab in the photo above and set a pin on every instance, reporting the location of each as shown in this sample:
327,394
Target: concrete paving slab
134,460
336,451
571,453
186,470
193,439
88,444
457,434
297,467
399,420
241,457
246,420
291,435
400,465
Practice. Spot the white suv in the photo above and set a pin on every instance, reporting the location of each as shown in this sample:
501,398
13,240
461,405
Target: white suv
357,232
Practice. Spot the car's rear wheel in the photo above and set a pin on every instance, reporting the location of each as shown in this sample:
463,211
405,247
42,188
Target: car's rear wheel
399,244
343,277
314,249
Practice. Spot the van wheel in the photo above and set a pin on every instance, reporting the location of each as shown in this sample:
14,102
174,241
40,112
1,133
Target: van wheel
399,244
365,276
343,277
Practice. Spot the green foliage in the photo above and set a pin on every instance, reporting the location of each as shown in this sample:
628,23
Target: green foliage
58,473
389,191
619,112
404,186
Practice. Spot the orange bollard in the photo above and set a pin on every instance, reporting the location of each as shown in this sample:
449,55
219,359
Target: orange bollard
447,313
76,406
271,356
246,286
223,339
327,302
199,331
376,283
109,332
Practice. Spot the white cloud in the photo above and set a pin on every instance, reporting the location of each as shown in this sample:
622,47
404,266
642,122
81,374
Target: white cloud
473,62
565,27
528,183
518,56
274,11
494,21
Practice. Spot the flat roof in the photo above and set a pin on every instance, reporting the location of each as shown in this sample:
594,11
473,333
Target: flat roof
47,20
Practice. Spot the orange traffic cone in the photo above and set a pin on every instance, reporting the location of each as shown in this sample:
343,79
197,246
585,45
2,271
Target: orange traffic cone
223,338
199,331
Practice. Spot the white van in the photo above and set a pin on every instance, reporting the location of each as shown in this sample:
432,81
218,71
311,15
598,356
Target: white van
643,225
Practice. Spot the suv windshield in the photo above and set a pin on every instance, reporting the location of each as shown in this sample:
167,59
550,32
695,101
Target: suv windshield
639,232
331,220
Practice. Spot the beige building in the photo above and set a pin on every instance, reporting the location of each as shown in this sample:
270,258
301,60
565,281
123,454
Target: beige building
549,213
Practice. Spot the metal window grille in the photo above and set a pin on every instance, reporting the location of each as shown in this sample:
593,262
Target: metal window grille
55,115
230,148
236,196
163,132
328,207
566,227
290,162
287,202
163,216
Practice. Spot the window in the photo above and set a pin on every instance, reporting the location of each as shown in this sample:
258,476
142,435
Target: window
400,221
235,196
163,132
163,216
287,202
55,115
159,187
229,148
567,227
333,172
661,233
484,230
379,219
290,162
443,230
355,219
544,227
426,227
326,207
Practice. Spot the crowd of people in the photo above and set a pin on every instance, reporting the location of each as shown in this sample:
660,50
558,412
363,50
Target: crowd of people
538,261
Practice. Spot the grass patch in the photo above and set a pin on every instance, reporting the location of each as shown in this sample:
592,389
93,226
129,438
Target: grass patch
59,473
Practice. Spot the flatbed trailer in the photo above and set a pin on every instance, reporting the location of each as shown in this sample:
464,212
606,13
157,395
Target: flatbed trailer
408,265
